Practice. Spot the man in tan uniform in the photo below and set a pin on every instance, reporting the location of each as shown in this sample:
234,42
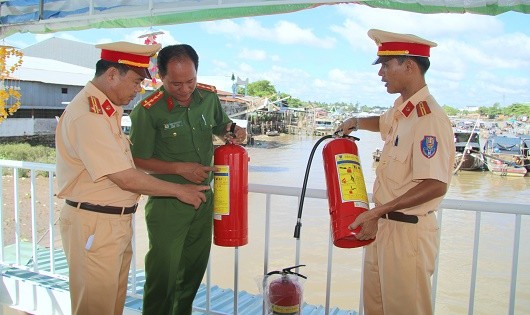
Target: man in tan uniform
412,177
97,177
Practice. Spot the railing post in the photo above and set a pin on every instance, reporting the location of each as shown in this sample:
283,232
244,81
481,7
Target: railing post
236,277
330,267
476,241
515,263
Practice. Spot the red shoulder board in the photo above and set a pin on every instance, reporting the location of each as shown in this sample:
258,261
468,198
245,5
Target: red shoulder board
206,87
94,105
407,109
152,99
423,109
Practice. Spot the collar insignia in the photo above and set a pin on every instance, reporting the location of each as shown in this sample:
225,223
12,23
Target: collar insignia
170,103
107,108
407,109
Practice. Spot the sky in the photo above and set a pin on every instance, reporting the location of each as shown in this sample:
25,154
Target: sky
324,54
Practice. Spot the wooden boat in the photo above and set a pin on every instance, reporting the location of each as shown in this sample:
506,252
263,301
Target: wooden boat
468,155
504,156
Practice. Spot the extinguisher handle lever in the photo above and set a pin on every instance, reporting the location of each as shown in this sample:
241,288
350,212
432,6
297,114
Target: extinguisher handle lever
340,134
289,271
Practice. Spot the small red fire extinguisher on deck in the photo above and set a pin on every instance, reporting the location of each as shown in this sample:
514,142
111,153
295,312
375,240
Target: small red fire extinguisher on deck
284,294
231,195
347,197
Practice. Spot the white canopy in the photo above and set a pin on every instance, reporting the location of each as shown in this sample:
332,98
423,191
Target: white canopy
48,16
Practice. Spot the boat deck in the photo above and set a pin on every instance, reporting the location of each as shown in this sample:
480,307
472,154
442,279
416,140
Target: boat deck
220,299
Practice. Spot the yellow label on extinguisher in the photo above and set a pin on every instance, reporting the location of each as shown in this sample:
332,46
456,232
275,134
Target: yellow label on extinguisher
221,186
285,310
351,179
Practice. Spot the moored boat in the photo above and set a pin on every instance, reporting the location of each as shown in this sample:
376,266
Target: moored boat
504,156
468,155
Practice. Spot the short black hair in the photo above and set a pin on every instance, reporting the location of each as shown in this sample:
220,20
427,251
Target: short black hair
104,65
423,62
175,52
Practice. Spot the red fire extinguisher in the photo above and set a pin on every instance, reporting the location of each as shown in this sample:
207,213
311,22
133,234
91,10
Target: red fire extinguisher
285,294
346,189
230,195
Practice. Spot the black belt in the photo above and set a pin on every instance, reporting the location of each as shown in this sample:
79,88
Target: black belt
102,209
401,217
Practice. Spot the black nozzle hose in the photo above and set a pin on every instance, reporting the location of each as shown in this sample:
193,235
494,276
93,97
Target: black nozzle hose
298,225
304,185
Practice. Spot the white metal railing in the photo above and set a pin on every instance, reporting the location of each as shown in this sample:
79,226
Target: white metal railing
478,207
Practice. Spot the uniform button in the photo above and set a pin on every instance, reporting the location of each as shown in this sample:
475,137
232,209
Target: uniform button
193,128
174,134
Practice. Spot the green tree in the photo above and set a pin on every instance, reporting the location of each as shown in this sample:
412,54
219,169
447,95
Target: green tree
517,110
450,111
262,88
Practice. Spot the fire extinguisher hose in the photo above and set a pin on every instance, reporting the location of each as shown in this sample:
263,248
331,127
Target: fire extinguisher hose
298,226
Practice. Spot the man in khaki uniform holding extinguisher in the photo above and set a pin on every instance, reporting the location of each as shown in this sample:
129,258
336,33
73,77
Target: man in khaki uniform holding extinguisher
412,177
97,177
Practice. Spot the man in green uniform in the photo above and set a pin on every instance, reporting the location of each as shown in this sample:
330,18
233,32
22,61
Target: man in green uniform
171,134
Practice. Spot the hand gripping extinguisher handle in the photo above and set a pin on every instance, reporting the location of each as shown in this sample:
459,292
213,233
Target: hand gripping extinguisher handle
231,132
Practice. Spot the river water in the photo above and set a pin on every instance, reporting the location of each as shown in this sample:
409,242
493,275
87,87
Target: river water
283,162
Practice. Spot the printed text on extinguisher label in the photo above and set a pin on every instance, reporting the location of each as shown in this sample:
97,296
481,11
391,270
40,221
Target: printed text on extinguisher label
351,180
221,185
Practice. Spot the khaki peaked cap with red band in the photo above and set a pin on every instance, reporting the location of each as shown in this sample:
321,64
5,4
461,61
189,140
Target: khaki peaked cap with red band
395,44
135,56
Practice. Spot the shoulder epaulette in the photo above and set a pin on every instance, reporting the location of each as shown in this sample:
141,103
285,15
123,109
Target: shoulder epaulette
94,105
152,99
422,109
206,87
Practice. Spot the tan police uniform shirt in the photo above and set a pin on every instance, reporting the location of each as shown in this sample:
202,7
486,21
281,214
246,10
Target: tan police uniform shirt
419,144
90,145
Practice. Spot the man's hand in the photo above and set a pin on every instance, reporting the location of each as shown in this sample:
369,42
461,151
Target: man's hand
239,133
349,125
192,194
368,222
195,172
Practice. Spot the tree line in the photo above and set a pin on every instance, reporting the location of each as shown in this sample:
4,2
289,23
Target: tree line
265,88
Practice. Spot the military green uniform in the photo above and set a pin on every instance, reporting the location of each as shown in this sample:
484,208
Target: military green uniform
179,236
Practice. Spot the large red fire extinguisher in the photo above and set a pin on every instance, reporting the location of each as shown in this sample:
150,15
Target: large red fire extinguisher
284,294
346,190
230,195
